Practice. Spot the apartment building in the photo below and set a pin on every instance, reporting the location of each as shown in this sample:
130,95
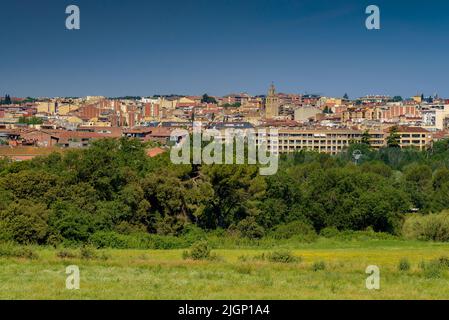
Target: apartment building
334,141
321,140
412,137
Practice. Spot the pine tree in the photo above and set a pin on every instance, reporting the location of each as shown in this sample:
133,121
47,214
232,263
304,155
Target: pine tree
7,99
366,138
393,138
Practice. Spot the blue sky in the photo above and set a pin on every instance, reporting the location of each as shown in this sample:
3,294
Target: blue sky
142,47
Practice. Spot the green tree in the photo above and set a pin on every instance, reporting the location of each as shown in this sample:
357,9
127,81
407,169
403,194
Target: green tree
7,99
366,138
208,99
327,110
393,138
25,221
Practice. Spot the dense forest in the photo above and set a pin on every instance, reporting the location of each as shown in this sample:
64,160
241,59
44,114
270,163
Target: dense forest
113,187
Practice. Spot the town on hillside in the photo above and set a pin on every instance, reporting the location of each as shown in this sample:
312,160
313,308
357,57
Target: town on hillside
31,127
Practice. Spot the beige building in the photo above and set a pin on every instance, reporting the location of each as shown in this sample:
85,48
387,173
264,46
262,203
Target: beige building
271,104
413,137
334,141
304,113
46,107
66,109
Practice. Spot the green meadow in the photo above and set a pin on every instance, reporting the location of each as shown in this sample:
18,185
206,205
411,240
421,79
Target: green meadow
325,269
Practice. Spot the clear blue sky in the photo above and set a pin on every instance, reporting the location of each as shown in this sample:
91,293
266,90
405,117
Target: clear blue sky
141,47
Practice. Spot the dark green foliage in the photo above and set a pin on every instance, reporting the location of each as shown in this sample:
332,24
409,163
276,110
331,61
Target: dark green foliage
30,120
66,254
319,266
297,229
5,100
433,269
393,138
199,251
404,265
444,261
249,228
207,99
10,250
113,195
25,222
282,256
87,253
329,232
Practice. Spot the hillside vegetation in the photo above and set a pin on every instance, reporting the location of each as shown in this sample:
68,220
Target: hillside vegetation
113,195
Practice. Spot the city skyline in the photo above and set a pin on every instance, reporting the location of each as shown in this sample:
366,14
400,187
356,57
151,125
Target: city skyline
146,48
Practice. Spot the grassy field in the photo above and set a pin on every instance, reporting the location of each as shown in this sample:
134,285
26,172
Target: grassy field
164,274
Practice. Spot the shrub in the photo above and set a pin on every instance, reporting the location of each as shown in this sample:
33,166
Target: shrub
248,228
9,250
191,233
404,265
26,252
427,227
282,257
165,242
108,239
329,232
66,254
112,239
365,235
432,269
319,265
199,251
73,224
296,229
25,222
444,261
87,253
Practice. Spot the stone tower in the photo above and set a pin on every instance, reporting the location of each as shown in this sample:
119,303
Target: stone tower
271,103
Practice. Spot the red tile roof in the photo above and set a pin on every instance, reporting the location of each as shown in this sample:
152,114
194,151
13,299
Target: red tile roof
155,152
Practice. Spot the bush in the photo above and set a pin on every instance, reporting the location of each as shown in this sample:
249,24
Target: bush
165,242
66,254
296,229
444,261
10,250
88,253
108,239
366,235
199,251
282,257
112,239
404,265
25,222
192,234
432,269
329,232
248,228
433,227
319,265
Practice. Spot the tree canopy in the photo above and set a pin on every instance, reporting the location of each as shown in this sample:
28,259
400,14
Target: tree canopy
114,187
